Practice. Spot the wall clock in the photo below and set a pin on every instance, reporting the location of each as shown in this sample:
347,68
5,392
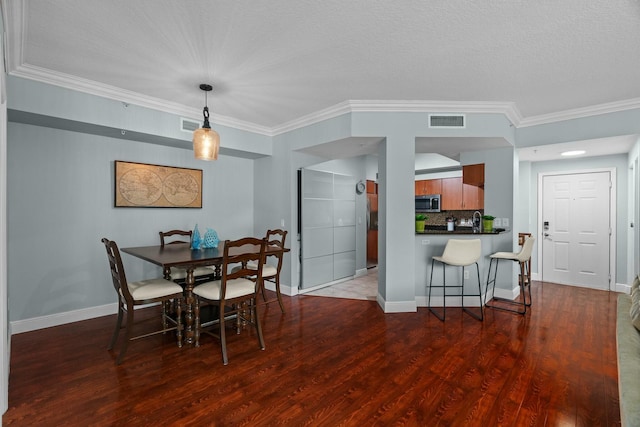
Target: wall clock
360,187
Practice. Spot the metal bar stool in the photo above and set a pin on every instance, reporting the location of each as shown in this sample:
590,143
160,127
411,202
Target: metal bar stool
460,253
523,258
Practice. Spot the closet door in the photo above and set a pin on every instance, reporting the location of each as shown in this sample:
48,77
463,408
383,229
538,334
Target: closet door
344,227
327,227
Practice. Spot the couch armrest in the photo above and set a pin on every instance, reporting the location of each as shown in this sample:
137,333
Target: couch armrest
628,346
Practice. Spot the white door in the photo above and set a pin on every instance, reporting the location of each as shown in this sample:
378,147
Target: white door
576,229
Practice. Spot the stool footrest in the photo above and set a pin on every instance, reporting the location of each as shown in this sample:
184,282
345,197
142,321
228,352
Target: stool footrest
508,302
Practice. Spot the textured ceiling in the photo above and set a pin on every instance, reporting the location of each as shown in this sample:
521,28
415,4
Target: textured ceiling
275,62
272,62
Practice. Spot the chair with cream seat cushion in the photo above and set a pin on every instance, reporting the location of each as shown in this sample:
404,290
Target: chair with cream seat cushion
131,294
460,253
235,293
177,274
523,259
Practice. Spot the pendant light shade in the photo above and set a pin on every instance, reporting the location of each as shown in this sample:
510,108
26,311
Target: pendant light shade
206,141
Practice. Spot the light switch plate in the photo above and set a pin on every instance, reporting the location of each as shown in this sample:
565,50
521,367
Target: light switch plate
497,222
505,222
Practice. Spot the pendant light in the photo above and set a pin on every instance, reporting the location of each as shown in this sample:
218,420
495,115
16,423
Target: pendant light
206,141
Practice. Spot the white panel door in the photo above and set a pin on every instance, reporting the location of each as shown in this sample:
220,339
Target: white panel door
576,224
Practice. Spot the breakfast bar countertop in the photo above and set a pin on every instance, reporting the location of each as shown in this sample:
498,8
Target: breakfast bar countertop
458,230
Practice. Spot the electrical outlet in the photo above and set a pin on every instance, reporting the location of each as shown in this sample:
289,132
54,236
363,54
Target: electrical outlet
497,222
425,242
505,222
466,274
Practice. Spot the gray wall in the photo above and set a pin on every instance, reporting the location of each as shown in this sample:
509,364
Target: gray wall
76,198
60,203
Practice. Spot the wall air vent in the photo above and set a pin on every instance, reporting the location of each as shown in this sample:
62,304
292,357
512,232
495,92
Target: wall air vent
451,121
187,125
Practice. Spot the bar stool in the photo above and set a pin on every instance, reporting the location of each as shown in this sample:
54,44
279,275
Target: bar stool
459,253
523,258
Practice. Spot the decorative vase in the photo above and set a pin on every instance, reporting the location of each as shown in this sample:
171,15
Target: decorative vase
487,225
419,226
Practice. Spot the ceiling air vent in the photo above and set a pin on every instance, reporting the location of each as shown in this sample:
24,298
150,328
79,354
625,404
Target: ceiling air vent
187,125
446,121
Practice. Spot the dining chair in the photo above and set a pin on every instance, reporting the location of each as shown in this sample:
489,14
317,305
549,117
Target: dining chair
271,272
178,274
460,253
523,258
236,291
131,294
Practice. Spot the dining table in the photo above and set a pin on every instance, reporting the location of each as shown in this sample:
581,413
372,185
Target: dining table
183,256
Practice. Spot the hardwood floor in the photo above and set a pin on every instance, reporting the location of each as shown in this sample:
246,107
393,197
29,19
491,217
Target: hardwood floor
335,362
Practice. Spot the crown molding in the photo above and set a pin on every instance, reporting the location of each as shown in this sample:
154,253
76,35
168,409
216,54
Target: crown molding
508,109
578,113
90,87
385,106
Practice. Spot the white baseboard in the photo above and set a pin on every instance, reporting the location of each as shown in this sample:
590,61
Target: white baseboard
622,287
397,306
284,289
35,323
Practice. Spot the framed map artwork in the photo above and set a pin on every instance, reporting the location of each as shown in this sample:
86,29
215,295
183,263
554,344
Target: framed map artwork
140,185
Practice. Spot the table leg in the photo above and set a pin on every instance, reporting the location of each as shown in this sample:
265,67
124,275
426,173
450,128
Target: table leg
189,301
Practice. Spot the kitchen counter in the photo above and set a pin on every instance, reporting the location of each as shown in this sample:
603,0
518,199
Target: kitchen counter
442,229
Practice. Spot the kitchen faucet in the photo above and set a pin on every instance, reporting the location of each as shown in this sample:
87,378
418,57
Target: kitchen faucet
476,221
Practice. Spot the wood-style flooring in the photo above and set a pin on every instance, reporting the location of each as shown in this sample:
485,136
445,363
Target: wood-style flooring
335,362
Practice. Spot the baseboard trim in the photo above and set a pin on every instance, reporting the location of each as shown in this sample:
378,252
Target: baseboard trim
622,287
397,306
35,323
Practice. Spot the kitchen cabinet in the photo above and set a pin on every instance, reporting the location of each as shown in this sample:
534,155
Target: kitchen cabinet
433,186
460,193
472,197
426,187
473,175
459,196
451,194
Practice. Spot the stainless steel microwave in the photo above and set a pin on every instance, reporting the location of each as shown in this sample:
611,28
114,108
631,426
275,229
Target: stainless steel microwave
429,203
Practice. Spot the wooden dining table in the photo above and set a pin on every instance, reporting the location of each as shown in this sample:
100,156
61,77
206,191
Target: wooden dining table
184,257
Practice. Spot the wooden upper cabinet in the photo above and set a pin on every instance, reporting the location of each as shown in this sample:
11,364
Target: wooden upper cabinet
451,194
472,197
465,192
428,186
433,186
473,175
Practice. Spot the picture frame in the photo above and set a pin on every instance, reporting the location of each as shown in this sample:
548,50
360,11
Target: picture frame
144,185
